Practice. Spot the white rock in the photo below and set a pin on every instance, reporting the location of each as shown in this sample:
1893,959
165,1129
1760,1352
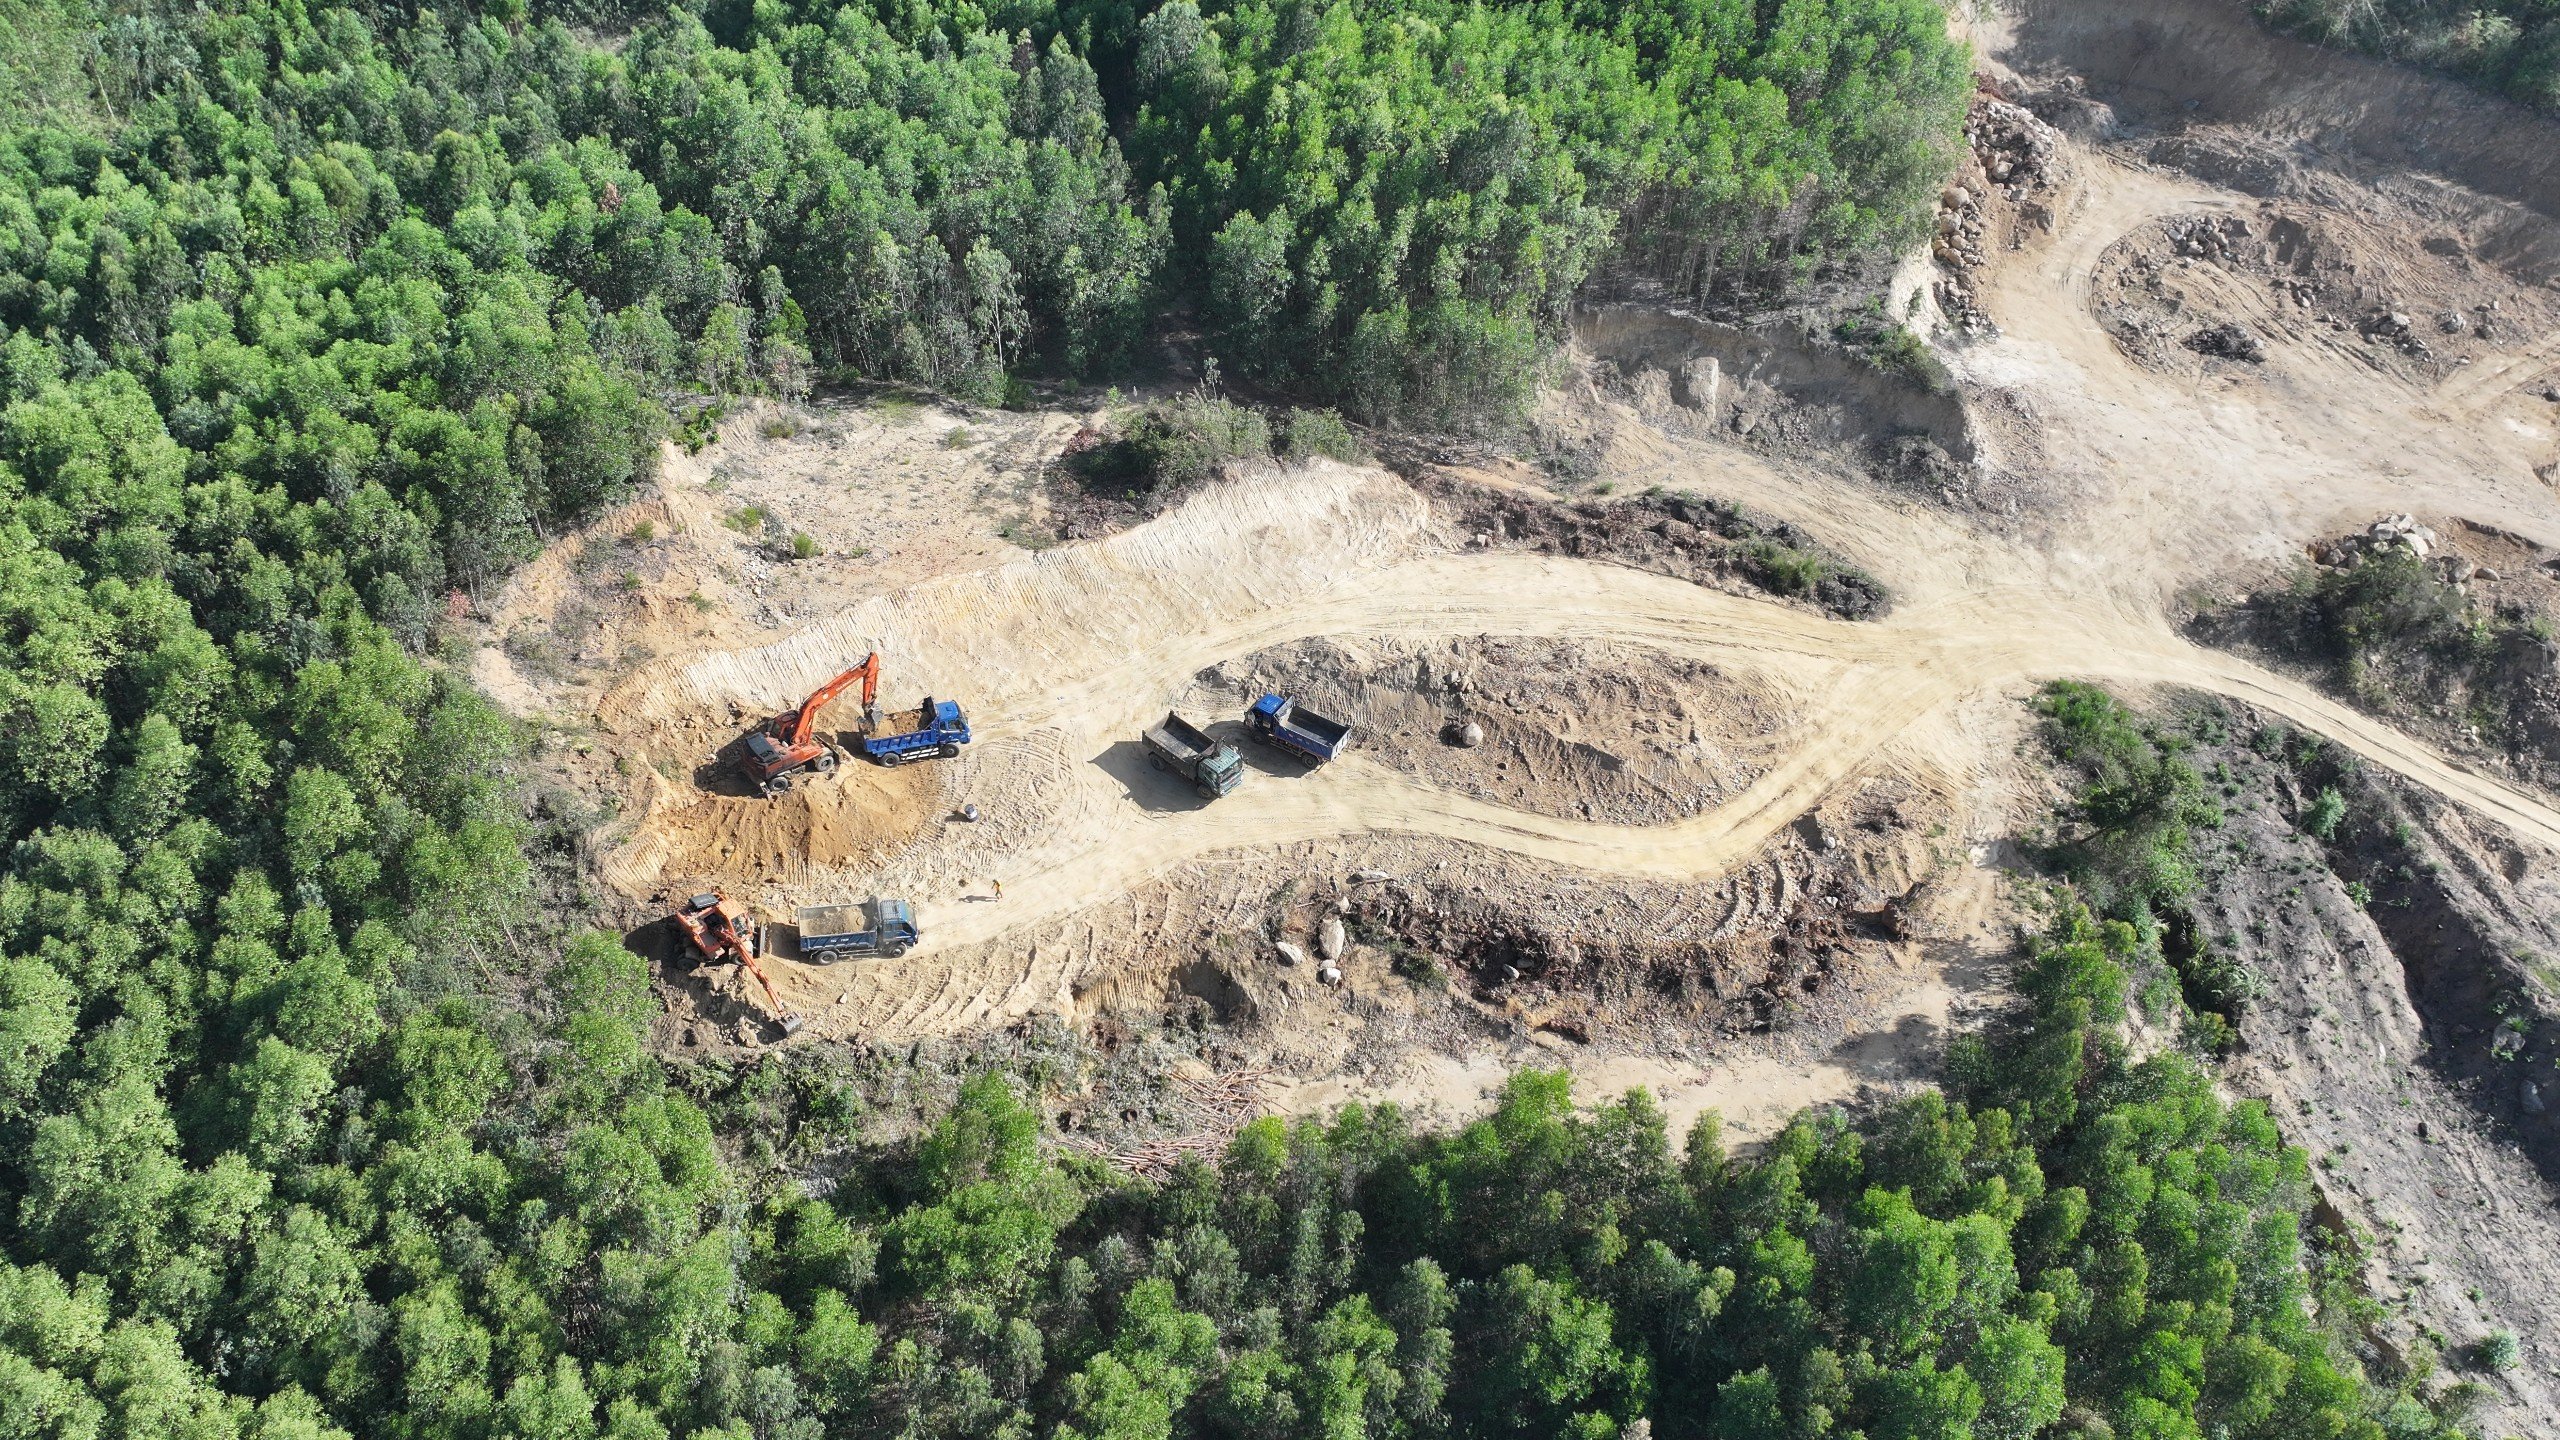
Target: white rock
1470,735
1331,938
1291,954
1330,974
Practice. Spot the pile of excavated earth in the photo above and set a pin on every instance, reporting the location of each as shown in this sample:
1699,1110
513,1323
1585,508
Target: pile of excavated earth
1692,758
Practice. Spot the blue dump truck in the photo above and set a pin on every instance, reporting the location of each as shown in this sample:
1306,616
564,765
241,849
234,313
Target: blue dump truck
1284,724
1188,751
940,729
832,934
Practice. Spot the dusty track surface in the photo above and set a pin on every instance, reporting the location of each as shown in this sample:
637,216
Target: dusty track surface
1056,659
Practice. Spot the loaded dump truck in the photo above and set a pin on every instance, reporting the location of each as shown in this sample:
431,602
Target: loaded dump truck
832,934
940,729
1284,724
1177,745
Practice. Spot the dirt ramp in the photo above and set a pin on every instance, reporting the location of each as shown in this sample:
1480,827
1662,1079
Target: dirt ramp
2171,64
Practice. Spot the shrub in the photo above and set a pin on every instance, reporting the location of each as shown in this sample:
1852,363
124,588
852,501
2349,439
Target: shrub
804,546
2498,1351
1177,443
644,532
2327,809
1308,434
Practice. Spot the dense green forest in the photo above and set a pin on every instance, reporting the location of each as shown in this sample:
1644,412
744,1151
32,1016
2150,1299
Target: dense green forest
2509,46
314,1122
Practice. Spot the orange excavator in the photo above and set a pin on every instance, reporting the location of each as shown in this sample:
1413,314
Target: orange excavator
722,930
787,744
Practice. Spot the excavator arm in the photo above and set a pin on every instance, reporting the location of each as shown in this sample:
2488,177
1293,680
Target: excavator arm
793,728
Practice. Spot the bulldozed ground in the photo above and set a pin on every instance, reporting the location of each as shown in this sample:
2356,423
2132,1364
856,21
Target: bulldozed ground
1742,842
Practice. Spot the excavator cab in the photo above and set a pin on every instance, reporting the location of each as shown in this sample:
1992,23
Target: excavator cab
787,744
723,930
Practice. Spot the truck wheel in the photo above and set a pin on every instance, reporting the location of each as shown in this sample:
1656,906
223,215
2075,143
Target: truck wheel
948,751
777,784
1206,792
890,760
823,764
893,951
1155,762
834,957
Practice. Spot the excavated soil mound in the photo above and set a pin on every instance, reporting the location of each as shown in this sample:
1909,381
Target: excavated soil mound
1608,733
688,840
2407,298
2456,648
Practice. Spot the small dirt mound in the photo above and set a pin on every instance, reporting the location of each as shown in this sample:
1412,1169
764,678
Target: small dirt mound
2443,628
1605,733
1687,537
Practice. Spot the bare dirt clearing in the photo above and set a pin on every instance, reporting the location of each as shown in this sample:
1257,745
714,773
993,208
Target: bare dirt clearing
1617,734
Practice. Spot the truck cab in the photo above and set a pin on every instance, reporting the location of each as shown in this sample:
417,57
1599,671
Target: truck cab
1178,746
832,934
1223,770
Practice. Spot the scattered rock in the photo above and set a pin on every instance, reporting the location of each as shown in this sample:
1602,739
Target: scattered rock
1467,736
1330,939
2229,342
1370,877
1331,974
1290,954
2533,1101
2403,531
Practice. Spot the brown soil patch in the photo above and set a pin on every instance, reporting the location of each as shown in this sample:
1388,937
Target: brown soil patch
1618,734
689,840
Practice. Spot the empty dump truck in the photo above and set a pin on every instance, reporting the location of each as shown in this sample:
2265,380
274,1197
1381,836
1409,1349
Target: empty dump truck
1284,724
1177,745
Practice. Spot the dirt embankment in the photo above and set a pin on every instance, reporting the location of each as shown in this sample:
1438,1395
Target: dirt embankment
2171,65
1687,537
1776,390
2401,1021
2444,628
1618,734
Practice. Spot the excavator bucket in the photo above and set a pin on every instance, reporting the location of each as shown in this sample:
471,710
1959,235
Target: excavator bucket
790,1023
